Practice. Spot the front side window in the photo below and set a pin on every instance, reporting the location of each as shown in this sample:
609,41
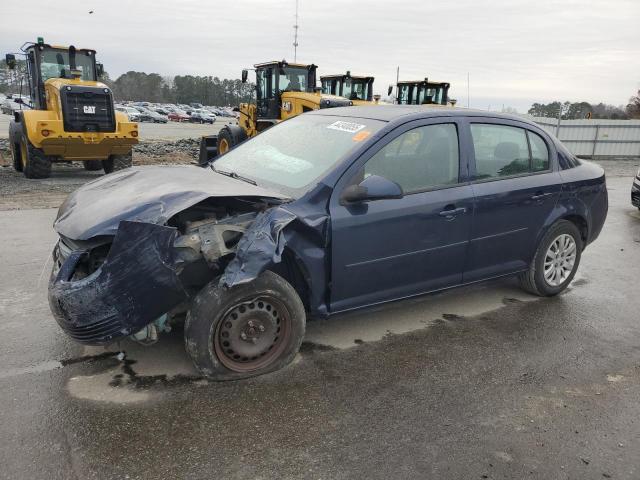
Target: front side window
420,159
403,94
500,150
262,79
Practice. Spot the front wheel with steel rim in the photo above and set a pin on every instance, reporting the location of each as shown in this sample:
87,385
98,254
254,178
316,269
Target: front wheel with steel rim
246,330
556,260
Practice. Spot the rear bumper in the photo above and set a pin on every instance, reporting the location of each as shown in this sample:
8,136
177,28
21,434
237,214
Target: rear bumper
136,284
635,192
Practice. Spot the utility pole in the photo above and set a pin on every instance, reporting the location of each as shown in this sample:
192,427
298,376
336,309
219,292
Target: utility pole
295,36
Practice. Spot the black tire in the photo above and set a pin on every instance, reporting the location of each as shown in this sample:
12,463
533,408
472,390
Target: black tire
38,165
117,162
533,280
264,301
92,165
15,155
226,141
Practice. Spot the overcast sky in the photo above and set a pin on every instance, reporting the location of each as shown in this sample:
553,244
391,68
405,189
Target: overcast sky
516,52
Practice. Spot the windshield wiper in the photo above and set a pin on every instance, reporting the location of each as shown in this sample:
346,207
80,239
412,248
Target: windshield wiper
233,175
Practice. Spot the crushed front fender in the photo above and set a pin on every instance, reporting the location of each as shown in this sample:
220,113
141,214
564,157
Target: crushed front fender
136,284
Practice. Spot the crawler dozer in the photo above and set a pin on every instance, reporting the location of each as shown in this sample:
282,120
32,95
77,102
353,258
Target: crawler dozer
71,116
283,90
355,88
422,92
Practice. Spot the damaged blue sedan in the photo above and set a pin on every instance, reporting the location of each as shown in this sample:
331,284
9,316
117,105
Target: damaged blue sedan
329,211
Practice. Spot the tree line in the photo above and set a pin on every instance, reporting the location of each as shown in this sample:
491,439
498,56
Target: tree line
578,110
152,87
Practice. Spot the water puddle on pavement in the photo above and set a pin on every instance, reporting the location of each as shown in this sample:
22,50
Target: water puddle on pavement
166,363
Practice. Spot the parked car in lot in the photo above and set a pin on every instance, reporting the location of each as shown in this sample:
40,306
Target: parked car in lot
147,115
330,211
201,117
635,191
132,113
178,116
12,104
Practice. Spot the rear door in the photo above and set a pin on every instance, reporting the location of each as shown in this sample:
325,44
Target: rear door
387,249
516,185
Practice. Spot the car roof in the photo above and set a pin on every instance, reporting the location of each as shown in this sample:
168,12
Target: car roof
389,113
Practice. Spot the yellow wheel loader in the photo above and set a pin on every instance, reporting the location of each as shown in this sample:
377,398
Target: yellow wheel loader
356,88
71,116
422,92
283,90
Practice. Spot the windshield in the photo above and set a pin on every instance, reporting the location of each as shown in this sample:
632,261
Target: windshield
293,79
355,89
430,95
294,155
54,63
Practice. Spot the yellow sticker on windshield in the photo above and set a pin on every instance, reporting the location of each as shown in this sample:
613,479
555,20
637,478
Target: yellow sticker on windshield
360,136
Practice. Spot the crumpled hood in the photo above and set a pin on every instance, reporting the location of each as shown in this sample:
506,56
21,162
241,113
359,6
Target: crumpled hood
144,194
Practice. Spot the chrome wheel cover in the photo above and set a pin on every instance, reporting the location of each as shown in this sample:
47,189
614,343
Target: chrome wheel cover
560,260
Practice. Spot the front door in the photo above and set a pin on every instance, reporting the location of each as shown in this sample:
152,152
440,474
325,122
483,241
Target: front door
387,249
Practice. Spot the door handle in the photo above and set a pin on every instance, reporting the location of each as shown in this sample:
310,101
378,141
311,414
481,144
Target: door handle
540,195
452,212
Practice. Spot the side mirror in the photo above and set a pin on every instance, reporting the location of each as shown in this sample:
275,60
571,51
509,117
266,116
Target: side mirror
389,90
10,59
245,75
373,187
99,69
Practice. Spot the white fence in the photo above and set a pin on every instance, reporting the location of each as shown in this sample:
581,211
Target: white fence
596,138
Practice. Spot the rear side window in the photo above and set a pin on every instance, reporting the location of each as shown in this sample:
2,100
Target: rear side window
503,151
539,153
417,160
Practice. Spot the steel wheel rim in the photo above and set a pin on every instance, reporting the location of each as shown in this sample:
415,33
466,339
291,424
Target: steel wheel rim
560,260
252,334
23,153
224,146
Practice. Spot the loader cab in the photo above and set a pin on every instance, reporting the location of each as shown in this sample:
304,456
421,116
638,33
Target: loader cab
45,61
275,78
423,92
348,86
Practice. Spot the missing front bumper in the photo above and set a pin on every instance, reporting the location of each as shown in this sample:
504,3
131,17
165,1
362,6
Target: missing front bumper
136,284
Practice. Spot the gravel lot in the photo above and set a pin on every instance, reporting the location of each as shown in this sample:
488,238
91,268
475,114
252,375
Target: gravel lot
169,143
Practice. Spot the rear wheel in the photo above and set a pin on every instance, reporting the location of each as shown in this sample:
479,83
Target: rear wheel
117,162
34,163
246,330
92,165
556,260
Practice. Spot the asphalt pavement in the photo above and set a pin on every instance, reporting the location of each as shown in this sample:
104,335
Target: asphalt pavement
477,382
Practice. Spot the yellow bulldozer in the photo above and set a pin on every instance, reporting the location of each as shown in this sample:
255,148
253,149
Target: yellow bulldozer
422,92
358,89
70,116
283,90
